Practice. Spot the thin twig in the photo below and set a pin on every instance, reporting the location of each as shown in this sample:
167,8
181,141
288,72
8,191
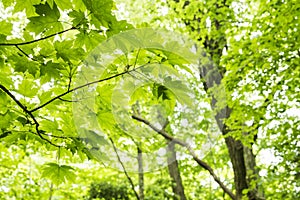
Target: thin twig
67,100
25,53
124,169
70,76
70,82
58,136
191,151
81,86
33,41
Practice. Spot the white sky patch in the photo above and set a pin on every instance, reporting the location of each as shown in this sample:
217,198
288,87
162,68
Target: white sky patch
253,98
263,172
163,10
184,122
237,37
19,25
249,122
4,189
5,12
18,20
208,24
293,112
267,157
255,34
162,152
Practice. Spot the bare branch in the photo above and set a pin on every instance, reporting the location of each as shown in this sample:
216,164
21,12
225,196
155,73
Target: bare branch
203,164
124,169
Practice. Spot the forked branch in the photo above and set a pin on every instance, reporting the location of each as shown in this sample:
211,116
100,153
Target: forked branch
24,108
200,162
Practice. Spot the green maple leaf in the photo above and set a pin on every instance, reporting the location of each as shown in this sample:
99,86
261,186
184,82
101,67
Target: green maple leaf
26,5
51,69
28,88
47,21
58,173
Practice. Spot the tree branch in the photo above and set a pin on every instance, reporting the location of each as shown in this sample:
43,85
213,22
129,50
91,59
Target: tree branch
23,52
124,169
191,151
66,100
82,86
24,108
58,136
33,41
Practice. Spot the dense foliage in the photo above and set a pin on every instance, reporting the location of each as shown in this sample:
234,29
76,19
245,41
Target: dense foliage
166,99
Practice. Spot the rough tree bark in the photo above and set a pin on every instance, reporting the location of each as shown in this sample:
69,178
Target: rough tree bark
235,147
242,157
174,172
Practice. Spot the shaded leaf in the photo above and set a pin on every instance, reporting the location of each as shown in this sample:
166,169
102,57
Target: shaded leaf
58,173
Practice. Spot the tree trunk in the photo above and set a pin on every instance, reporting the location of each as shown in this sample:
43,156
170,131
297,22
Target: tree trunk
141,173
212,77
235,147
213,74
177,186
236,153
256,192
241,157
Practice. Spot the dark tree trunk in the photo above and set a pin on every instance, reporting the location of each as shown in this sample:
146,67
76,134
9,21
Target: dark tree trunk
141,173
235,148
242,157
252,174
236,153
213,75
174,172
